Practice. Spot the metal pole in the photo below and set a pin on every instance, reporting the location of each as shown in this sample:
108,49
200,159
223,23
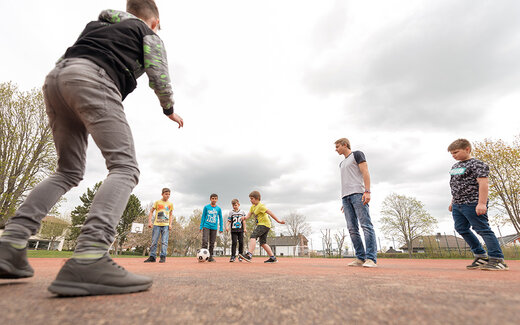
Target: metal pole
380,247
457,241
447,244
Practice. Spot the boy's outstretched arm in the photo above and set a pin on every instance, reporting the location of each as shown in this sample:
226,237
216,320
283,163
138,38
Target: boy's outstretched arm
156,67
247,216
269,212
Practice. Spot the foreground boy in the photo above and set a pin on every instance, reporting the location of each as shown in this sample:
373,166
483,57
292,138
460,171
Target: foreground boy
209,224
261,213
161,226
238,227
469,190
83,95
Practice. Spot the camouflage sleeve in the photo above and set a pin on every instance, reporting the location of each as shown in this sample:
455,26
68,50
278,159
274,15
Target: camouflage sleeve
156,67
114,16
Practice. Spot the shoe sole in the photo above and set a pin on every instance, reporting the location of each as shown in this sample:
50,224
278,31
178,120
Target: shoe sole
71,289
271,262
245,259
8,271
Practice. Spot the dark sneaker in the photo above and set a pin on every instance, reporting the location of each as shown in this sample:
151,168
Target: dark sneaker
211,259
478,262
271,260
101,277
162,259
14,263
232,259
495,265
247,257
150,259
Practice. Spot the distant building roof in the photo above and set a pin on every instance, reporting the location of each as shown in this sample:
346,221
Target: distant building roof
287,240
439,240
508,239
392,250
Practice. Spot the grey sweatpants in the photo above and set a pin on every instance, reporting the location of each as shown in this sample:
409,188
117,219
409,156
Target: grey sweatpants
80,100
209,237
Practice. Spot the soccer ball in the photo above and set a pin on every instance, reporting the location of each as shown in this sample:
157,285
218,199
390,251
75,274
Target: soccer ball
202,254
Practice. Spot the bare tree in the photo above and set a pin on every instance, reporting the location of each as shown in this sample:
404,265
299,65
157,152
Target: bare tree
297,225
27,152
327,241
340,240
405,218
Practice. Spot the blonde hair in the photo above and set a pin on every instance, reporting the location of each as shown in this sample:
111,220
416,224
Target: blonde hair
255,195
343,142
459,144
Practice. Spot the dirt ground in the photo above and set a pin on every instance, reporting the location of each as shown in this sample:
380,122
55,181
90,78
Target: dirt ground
293,291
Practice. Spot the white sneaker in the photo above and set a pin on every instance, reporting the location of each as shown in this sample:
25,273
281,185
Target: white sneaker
356,262
369,263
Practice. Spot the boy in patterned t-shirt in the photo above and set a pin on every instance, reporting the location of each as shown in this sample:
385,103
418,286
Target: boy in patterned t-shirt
162,225
238,227
469,190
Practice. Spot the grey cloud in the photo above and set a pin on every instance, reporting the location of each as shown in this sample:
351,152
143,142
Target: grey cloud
454,60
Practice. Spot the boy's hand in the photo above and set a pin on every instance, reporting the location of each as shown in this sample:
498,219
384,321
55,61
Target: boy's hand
150,225
281,222
227,229
170,227
366,198
221,231
481,209
450,208
176,118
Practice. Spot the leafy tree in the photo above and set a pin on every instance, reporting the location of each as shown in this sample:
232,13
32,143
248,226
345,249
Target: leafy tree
52,229
504,175
132,211
27,152
405,218
79,214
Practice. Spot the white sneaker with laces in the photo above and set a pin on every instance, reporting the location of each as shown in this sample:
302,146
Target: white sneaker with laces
369,263
356,262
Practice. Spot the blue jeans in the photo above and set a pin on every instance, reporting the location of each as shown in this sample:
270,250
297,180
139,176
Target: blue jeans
357,213
465,217
163,231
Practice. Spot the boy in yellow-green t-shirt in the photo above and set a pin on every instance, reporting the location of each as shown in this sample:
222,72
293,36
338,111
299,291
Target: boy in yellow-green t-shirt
263,226
162,225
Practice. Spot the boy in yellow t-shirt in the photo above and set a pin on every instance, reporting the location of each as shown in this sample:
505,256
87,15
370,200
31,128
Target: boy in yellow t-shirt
161,226
263,226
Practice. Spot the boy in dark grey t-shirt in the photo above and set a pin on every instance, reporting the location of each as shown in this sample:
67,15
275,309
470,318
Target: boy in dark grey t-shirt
469,190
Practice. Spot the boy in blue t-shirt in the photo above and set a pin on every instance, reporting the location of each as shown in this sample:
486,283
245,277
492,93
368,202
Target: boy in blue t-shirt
238,227
469,190
211,214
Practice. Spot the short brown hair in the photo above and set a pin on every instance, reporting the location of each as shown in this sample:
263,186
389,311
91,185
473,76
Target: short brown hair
343,142
459,144
144,9
164,190
234,201
255,195
213,195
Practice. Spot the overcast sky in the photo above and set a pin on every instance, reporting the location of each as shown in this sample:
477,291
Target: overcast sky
266,87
